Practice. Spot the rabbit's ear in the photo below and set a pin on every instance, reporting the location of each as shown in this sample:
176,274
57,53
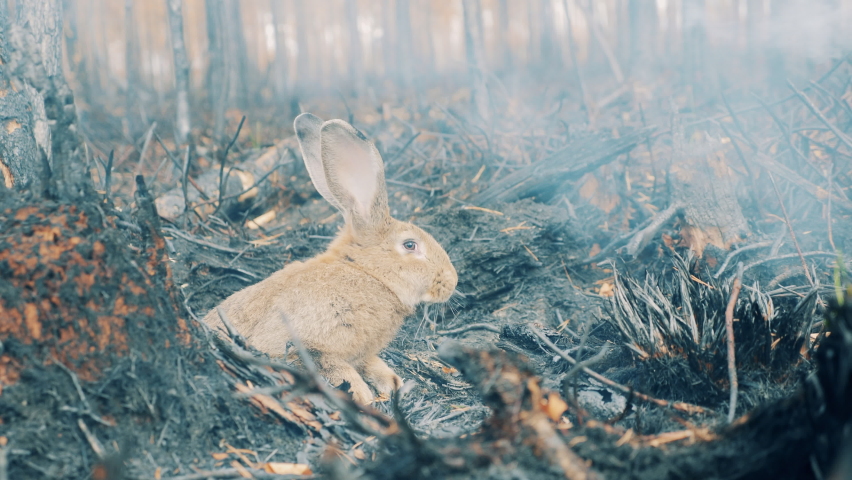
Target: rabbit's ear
307,127
355,174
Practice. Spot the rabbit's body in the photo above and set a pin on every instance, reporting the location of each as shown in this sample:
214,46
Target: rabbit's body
346,304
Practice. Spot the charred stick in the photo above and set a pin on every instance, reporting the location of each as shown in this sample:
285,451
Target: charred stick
729,329
199,241
178,166
232,331
845,106
222,162
472,326
185,178
145,148
403,149
737,252
790,229
243,191
679,406
108,173
96,445
828,207
87,409
807,101
789,255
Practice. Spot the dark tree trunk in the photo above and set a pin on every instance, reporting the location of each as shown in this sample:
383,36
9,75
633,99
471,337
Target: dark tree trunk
181,65
39,142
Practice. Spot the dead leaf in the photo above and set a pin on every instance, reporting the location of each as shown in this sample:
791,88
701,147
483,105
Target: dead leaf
555,406
220,455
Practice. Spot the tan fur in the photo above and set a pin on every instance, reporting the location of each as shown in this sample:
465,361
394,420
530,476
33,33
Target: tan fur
346,304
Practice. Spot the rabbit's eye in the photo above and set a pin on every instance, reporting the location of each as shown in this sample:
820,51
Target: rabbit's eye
409,245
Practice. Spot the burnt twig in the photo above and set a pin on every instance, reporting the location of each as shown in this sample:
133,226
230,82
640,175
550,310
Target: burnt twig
729,329
807,101
145,145
222,162
790,229
472,326
679,406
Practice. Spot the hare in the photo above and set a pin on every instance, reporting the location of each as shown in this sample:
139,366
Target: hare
346,304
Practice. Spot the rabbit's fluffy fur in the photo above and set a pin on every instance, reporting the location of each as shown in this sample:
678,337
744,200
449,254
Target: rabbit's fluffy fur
347,303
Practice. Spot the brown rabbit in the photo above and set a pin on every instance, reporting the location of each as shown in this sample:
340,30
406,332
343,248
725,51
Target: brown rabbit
347,303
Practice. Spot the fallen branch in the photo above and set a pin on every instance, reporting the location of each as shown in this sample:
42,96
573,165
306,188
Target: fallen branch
729,329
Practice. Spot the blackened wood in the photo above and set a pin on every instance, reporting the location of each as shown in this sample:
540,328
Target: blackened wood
543,178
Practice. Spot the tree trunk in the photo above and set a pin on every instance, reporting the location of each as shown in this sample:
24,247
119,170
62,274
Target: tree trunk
404,52
279,65
356,72
236,54
217,78
476,57
643,25
505,38
41,106
181,65
131,65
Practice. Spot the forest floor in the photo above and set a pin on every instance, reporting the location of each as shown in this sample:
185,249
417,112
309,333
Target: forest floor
543,276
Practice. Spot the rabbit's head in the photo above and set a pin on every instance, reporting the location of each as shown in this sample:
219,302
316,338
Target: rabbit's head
348,172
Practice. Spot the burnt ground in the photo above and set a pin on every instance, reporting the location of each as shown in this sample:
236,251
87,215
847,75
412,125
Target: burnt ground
545,272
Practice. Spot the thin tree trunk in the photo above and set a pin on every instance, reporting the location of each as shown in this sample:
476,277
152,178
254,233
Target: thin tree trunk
404,51
279,64
217,78
303,61
181,63
475,57
505,39
643,27
131,61
356,71
547,51
236,54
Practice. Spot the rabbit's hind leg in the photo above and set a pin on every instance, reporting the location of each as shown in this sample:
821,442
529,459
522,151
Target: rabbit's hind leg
337,371
380,375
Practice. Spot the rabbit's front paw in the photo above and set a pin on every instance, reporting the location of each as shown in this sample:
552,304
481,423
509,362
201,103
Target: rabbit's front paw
361,393
337,371
380,375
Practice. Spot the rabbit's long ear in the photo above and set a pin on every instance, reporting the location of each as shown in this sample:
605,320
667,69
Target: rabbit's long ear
356,175
307,127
